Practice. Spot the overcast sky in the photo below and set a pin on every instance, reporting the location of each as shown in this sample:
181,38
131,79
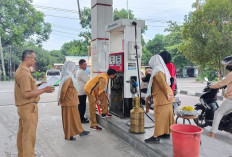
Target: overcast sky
156,13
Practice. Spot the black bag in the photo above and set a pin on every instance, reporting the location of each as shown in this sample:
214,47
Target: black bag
172,80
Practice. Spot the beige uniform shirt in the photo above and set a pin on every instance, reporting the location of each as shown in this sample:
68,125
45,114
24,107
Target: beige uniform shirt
82,79
24,82
226,81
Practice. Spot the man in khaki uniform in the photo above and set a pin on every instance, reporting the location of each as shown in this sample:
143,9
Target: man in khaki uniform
26,100
94,89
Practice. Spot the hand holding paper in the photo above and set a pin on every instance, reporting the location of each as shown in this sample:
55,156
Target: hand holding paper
49,89
51,82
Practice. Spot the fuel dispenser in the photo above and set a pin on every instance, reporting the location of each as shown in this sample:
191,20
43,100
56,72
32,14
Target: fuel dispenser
123,58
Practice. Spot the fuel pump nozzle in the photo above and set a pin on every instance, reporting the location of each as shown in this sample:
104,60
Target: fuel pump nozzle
133,84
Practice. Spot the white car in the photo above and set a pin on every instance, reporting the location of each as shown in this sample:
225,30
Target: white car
52,73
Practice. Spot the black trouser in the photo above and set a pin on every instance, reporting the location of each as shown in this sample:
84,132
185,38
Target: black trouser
82,106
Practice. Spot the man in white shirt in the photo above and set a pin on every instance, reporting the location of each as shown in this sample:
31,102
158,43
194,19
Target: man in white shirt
82,79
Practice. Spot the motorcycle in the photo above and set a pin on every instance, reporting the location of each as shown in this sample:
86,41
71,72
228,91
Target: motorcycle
207,107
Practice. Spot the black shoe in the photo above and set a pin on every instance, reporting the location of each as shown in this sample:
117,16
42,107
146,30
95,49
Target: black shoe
84,133
103,115
166,136
71,138
152,140
85,120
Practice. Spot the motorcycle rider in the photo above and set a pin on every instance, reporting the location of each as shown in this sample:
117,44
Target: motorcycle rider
227,104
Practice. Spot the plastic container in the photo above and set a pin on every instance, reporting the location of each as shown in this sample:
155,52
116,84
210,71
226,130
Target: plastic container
186,140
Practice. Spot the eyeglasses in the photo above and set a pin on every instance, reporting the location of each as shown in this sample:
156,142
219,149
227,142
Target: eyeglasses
32,57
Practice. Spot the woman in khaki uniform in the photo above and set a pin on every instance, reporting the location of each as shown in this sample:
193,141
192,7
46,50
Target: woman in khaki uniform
68,99
163,98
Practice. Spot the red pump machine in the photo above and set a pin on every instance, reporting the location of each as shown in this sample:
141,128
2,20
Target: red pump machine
116,61
122,58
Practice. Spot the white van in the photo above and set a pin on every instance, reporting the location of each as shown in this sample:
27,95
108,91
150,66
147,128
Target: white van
52,72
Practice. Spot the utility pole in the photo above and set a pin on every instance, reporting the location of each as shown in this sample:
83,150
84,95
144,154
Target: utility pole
10,74
2,58
127,9
79,9
91,68
14,57
8,62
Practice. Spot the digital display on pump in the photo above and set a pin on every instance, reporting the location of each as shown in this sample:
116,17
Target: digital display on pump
112,60
118,60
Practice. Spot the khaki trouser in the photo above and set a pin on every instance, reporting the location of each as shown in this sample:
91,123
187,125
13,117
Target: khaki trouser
92,107
28,118
219,113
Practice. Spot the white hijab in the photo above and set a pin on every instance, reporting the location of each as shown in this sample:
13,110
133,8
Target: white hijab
66,73
157,64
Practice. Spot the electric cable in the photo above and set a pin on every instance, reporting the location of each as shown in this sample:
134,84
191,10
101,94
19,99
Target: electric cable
74,11
67,28
64,17
65,32
56,9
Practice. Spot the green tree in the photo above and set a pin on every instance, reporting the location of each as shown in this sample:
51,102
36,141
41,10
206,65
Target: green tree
43,58
20,21
146,56
172,42
207,72
11,60
57,56
86,24
86,18
207,33
74,48
36,75
123,13
156,45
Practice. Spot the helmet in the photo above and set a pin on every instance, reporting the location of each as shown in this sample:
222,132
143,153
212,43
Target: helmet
227,60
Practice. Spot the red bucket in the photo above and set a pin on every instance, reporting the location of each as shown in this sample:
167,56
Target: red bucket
186,140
